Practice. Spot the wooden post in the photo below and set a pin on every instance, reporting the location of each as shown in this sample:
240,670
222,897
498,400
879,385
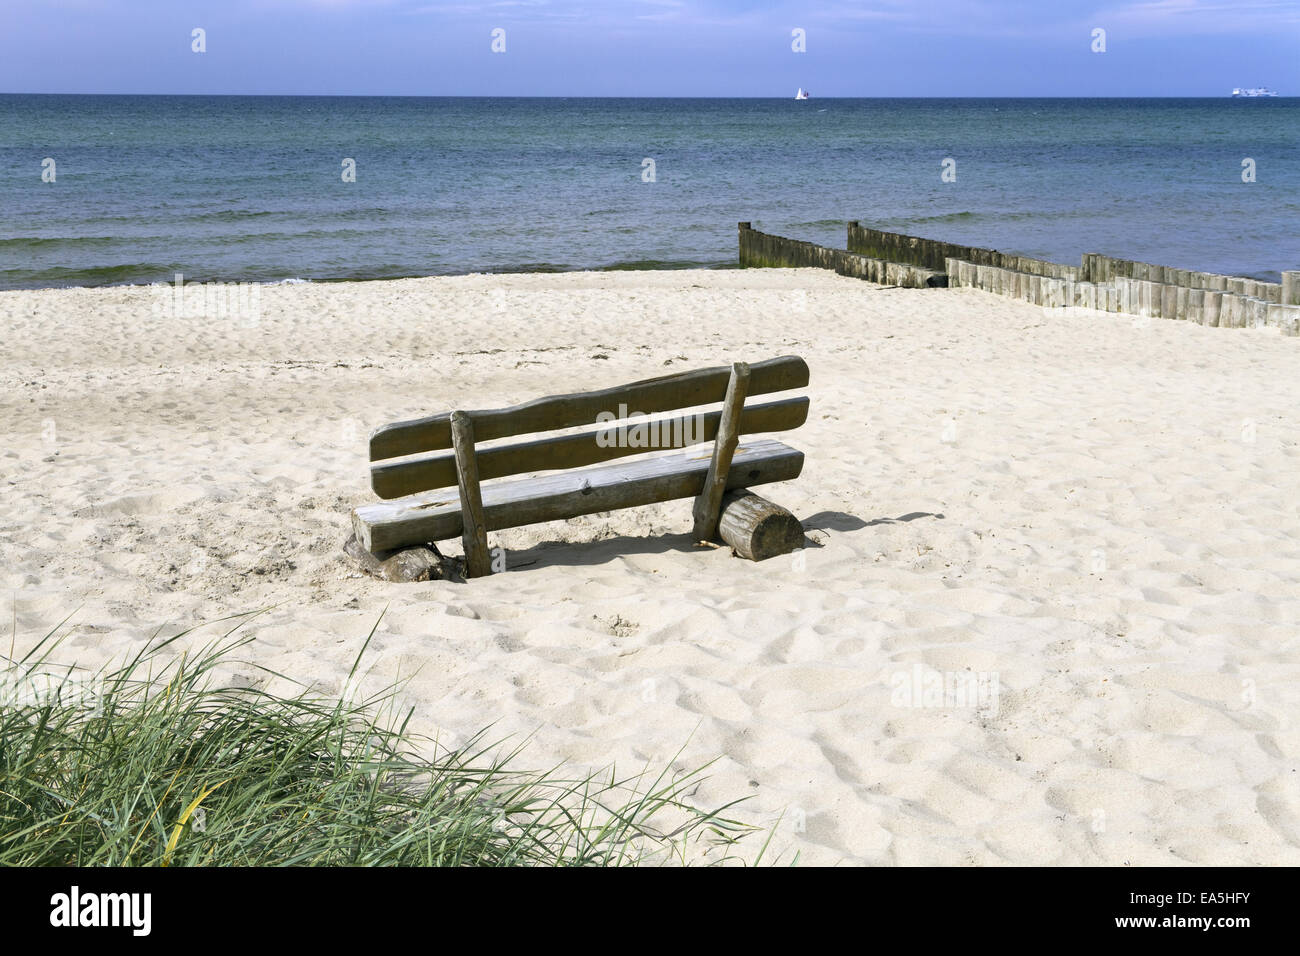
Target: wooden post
1212,306
1291,288
709,503
474,535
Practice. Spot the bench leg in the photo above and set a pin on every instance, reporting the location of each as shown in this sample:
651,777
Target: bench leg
709,504
474,534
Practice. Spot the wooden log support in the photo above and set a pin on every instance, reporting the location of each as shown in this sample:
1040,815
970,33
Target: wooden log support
474,535
418,563
756,528
709,502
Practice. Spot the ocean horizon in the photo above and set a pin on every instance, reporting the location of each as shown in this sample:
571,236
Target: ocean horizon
134,189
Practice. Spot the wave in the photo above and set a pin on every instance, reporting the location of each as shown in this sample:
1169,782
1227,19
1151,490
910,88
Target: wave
154,274
235,215
25,243
1055,215
820,224
243,215
965,216
636,265
64,277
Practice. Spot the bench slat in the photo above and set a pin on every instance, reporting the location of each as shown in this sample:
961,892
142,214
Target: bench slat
398,479
683,390
436,516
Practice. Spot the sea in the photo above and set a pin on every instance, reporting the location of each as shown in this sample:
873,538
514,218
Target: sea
110,190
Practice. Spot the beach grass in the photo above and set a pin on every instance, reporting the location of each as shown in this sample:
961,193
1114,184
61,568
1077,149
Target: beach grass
159,762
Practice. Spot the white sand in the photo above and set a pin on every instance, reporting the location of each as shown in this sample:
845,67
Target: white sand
1065,502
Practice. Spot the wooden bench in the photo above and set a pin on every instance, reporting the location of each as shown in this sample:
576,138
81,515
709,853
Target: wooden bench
408,473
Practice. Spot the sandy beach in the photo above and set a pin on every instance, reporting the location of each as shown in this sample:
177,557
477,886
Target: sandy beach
1092,518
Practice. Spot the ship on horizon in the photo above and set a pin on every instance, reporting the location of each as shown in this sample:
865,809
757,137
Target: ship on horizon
1253,91
801,94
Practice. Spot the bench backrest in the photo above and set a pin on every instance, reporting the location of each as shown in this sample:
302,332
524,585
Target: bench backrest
612,408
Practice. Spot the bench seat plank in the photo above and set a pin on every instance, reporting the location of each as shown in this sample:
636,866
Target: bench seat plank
436,516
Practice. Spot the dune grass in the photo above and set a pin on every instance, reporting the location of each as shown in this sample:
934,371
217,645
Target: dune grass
160,764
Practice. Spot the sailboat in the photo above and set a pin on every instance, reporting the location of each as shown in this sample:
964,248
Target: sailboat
802,94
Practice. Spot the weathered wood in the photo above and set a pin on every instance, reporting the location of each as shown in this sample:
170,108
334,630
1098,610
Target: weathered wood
629,483
1290,294
668,393
709,500
757,528
417,563
408,477
763,250
473,534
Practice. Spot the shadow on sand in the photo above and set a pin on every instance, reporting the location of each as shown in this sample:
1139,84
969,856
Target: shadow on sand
592,553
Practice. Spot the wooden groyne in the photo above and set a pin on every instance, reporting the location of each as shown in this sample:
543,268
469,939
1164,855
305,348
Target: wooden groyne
934,254
1103,283
762,250
1099,268
1141,297
1204,298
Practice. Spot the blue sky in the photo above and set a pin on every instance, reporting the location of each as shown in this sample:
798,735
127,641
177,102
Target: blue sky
651,47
